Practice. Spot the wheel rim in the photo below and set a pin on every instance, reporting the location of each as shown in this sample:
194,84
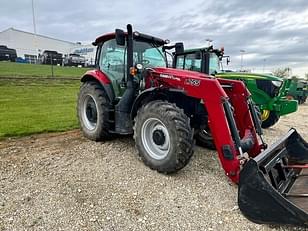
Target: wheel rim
89,112
155,138
265,114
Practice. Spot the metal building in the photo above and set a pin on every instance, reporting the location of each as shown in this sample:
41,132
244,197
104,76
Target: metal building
29,45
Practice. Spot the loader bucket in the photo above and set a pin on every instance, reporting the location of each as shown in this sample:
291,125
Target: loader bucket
273,186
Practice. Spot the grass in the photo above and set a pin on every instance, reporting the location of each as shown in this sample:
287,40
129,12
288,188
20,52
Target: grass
11,69
36,105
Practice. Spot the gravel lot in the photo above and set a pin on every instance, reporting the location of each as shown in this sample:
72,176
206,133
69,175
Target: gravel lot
65,182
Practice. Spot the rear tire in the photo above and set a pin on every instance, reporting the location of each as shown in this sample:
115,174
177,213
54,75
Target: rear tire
163,136
92,111
302,99
272,119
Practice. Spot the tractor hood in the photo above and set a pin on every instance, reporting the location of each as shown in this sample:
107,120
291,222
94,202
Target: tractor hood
245,75
177,73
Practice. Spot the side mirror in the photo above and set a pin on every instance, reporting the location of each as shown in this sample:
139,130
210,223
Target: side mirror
120,37
179,48
228,60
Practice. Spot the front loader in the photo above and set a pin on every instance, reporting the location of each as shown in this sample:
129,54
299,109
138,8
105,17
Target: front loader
132,91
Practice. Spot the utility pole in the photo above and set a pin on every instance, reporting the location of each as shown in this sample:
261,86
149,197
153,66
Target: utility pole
33,18
288,69
242,54
34,30
264,60
51,62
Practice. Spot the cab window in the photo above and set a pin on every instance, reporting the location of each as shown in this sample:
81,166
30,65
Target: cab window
112,59
153,57
214,64
190,62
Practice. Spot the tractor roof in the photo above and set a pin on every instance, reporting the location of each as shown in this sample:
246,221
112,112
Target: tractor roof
218,52
198,49
137,36
103,38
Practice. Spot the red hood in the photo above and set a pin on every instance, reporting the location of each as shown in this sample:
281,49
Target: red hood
180,73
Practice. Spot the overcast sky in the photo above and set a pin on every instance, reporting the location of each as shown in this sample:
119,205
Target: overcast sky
273,33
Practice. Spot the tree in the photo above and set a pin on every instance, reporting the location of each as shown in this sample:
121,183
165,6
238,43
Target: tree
306,76
282,72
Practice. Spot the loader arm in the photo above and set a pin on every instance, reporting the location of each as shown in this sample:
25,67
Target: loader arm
232,127
230,121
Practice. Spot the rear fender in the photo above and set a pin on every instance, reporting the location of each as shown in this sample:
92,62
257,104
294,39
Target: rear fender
100,77
96,74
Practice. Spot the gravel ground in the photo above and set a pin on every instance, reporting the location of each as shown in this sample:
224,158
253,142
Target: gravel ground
66,182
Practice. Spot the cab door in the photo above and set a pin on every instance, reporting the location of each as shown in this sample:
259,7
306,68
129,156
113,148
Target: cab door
112,61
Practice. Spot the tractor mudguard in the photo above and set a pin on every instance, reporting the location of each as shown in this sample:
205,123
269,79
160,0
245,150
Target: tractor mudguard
97,75
273,186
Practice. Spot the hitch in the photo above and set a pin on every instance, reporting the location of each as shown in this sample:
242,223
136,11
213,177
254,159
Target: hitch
273,186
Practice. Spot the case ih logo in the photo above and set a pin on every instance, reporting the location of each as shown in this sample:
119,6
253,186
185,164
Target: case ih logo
193,82
167,76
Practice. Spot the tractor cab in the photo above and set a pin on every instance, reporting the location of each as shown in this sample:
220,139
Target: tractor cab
112,60
206,60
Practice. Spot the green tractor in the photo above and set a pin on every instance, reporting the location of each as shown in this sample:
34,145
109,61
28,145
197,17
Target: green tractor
268,92
298,90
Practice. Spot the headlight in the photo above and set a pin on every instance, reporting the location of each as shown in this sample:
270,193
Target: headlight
139,66
277,83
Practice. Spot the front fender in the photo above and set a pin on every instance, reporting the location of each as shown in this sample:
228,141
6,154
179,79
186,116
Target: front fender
153,93
148,93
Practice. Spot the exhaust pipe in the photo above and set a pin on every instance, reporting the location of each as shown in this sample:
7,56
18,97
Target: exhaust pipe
123,120
273,186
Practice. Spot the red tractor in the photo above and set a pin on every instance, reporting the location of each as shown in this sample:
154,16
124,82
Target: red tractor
132,91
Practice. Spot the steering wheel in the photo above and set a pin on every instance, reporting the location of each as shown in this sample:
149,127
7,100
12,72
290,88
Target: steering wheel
145,62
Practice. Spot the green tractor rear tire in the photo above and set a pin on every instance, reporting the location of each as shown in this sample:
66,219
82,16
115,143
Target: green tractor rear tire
204,139
269,118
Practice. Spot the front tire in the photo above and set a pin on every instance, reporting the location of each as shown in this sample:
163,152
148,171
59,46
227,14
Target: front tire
92,111
271,119
163,136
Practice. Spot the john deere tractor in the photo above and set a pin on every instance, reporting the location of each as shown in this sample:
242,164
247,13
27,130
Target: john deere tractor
298,90
268,92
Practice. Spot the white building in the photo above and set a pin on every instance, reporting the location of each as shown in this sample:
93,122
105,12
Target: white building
88,51
29,45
